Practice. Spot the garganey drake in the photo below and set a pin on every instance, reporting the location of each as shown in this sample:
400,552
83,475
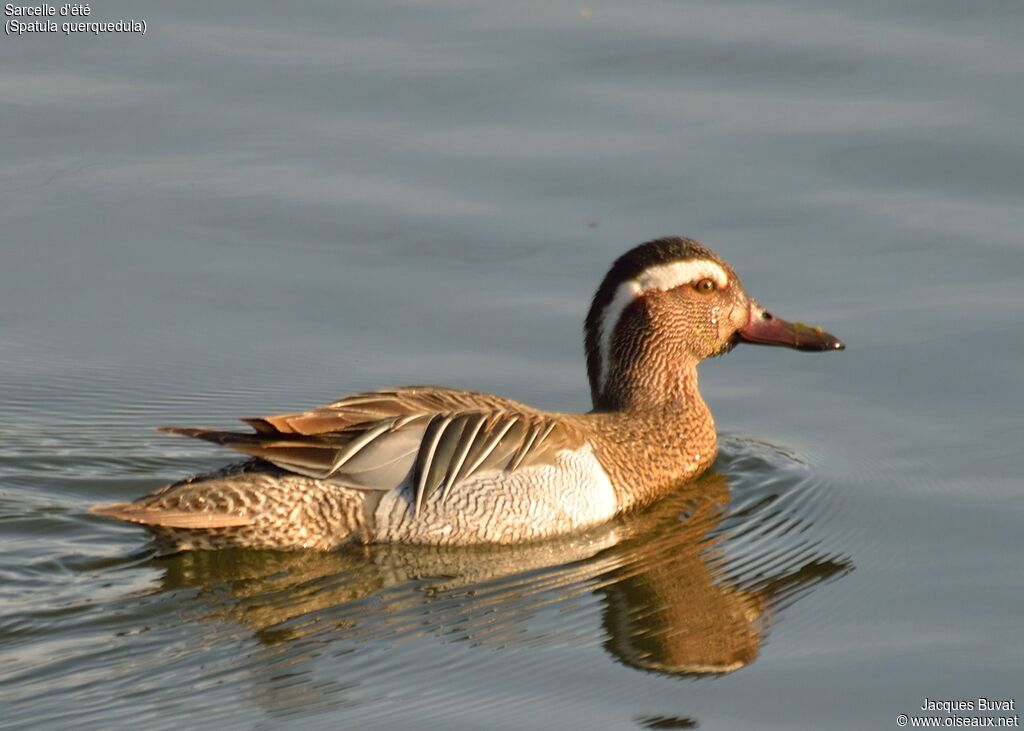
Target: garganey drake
433,465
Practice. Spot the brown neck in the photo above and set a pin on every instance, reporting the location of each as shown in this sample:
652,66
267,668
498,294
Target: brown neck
649,382
657,434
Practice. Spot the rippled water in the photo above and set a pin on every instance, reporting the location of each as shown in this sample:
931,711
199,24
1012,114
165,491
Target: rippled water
688,589
256,208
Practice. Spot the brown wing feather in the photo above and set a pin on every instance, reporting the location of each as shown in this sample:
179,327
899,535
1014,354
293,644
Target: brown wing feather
360,408
374,441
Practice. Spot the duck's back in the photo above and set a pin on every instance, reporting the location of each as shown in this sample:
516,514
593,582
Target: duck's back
414,465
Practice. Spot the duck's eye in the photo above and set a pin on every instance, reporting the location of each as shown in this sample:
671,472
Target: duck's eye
705,285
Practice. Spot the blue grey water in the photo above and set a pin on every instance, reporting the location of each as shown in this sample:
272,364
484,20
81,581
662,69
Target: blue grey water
259,207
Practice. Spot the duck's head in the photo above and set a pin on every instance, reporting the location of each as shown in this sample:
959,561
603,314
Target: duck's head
663,307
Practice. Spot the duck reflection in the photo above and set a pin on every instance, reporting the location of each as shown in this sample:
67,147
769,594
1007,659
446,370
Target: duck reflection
676,610
675,598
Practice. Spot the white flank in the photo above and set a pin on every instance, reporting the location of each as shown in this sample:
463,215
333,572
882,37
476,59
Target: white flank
662,277
601,503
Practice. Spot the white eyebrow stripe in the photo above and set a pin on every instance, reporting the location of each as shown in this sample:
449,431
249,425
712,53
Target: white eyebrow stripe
662,277
678,273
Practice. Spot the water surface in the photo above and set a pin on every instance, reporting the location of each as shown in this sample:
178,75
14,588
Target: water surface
256,208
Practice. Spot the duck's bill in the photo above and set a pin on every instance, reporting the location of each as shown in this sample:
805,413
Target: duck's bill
766,329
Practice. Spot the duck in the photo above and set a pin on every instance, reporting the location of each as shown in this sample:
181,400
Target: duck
442,466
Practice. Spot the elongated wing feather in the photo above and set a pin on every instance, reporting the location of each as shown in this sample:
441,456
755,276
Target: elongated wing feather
458,447
374,455
436,438
359,408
